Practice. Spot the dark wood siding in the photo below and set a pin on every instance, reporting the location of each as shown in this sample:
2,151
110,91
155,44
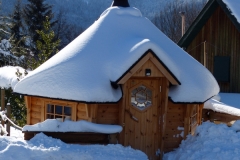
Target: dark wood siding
222,39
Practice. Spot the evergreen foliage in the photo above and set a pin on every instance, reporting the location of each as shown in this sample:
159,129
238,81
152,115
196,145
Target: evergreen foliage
17,25
47,46
35,13
19,111
18,38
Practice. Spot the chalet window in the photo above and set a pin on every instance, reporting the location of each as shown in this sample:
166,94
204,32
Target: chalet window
141,97
58,111
221,70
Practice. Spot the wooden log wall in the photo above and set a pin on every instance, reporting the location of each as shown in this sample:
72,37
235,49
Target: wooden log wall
108,114
35,110
182,119
222,39
97,113
82,112
217,117
174,132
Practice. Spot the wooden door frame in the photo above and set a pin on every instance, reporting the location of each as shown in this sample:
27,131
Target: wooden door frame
127,102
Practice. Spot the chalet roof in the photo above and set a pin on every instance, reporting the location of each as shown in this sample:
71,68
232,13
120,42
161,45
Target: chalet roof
84,69
230,7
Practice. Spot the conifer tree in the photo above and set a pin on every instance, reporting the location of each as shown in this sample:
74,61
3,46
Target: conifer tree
35,13
18,38
17,25
46,45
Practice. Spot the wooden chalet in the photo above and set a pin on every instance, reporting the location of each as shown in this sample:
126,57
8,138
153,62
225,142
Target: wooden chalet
214,37
122,70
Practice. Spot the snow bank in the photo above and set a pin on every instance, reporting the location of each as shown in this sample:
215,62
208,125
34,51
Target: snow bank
42,147
8,77
210,142
53,125
233,6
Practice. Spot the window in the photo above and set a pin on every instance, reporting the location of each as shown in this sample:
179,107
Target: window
57,111
221,70
141,97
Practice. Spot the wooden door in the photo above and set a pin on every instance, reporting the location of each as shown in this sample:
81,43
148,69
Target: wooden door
142,116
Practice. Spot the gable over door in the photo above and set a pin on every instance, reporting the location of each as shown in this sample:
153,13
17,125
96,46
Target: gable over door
142,115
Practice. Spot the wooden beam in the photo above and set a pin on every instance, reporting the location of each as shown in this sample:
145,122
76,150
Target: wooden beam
2,102
122,105
134,69
187,120
43,112
149,56
164,71
164,108
28,105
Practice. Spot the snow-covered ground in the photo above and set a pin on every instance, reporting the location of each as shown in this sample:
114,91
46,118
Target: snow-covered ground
42,147
210,142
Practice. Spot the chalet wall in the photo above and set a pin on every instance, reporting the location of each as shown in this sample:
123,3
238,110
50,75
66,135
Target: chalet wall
181,120
222,39
36,109
98,113
108,114
174,123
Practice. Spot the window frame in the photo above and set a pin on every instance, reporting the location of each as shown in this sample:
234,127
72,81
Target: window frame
130,96
72,105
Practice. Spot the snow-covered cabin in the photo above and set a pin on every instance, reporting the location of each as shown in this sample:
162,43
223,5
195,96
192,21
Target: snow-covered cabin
123,70
218,25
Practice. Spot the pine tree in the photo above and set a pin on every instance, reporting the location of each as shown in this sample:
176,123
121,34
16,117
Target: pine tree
35,13
47,46
17,25
18,38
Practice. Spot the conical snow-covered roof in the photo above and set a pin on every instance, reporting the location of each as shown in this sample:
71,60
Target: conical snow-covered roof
83,70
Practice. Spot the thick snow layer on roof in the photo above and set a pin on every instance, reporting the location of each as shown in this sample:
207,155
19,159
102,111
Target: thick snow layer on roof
233,6
8,77
221,107
225,103
82,71
53,125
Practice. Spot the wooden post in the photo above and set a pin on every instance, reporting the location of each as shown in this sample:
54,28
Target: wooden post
9,111
204,54
2,102
183,22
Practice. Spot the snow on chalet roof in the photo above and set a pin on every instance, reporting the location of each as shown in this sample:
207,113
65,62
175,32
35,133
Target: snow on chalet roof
233,6
83,70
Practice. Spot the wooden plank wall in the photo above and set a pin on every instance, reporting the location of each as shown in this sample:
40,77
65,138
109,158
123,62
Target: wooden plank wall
82,112
108,114
97,113
182,119
174,124
35,110
222,39
210,115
